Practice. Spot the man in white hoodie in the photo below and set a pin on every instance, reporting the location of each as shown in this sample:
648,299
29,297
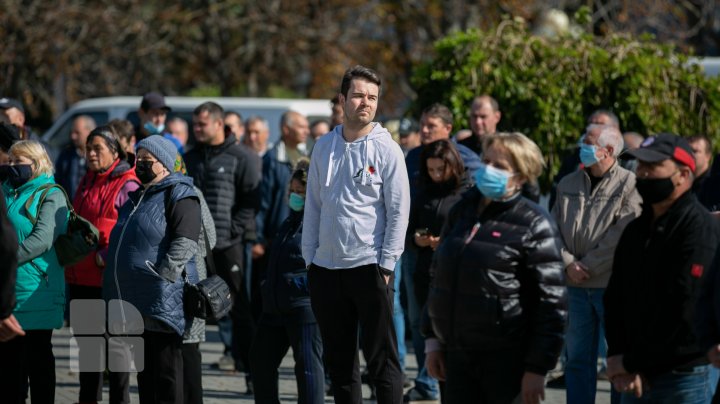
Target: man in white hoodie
356,216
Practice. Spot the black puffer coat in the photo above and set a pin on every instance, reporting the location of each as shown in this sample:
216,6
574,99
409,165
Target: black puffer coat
498,281
229,177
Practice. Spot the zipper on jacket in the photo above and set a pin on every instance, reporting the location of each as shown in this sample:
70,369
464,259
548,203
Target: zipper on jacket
42,273
122,234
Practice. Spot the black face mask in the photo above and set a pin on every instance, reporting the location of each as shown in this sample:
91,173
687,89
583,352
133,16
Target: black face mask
19,174
654,190
144,171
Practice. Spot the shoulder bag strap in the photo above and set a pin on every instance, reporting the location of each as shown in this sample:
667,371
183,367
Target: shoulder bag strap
45,190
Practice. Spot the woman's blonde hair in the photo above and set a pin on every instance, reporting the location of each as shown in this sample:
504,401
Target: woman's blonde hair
525,154
36,152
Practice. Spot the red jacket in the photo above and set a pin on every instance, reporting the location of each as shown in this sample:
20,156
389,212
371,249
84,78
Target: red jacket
95,201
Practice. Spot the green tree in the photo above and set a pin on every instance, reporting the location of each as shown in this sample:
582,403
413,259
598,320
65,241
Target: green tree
547,87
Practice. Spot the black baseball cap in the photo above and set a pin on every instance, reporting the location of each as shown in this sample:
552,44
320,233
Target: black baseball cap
9,134
154,100
7,103
665,146
407,126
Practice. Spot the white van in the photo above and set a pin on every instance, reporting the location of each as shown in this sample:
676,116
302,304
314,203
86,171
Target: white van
105,109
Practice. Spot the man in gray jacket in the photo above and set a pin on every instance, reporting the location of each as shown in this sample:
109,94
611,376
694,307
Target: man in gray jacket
592,208
356,215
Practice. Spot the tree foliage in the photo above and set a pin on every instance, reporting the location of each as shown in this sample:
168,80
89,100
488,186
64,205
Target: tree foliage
55,53
547,87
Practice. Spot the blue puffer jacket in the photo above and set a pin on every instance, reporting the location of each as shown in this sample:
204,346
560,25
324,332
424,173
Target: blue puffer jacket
138,244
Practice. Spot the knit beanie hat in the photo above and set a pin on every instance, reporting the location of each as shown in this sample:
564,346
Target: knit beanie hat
163,149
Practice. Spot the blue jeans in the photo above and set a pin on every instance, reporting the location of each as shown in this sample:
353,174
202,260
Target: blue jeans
423,382
225,333
675,387
399,316
585,323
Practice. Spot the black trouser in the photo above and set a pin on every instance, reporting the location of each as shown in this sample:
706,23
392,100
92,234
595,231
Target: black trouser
229,264
192,374
29,357
259,267
161,380
488,377
270,345
91,383
343,300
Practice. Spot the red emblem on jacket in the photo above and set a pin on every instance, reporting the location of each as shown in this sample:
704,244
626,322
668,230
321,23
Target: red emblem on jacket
696,270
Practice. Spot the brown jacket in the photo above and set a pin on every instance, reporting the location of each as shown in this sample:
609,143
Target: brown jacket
591,223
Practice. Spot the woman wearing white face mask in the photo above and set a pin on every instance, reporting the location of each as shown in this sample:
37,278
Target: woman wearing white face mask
497,298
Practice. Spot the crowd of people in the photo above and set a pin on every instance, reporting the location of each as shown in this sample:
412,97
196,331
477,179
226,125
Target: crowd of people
318,235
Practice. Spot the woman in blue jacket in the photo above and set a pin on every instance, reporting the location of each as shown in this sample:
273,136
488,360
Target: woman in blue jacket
40,285
152,250
287,319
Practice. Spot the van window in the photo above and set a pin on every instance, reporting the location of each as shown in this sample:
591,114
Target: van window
62,138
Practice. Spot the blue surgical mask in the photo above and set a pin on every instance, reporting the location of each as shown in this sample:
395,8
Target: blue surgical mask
588,154
296,202
491,181
154,130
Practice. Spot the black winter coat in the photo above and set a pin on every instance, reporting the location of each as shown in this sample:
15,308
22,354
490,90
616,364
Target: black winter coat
657,274
285,288
428,211
498,281
229,177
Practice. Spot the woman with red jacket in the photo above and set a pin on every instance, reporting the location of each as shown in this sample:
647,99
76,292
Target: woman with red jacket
102,191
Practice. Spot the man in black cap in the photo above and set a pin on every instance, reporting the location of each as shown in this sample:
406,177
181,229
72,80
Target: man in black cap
9,134
153,113
14,110
15,113
659,264
409,133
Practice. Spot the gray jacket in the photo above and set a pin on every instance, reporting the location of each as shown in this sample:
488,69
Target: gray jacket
591,223
196,333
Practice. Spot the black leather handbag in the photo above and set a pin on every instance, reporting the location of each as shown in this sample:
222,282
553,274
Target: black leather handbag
209,298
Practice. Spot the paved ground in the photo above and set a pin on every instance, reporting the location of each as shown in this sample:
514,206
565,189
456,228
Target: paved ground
222,387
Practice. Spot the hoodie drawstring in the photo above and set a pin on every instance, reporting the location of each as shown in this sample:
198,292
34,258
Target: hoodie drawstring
330,160
365,162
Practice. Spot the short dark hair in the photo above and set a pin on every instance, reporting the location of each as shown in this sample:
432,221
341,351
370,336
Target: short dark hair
335,100
489,99
109,136
358,72
708,142
212,108
614,118
318,122
237,114
123,128
438,110
444,150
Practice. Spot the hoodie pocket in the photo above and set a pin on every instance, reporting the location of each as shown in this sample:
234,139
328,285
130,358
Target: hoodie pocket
353,238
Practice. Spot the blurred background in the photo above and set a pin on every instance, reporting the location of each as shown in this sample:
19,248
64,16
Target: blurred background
55,53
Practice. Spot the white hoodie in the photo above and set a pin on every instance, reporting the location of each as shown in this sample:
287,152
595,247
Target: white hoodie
357,201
